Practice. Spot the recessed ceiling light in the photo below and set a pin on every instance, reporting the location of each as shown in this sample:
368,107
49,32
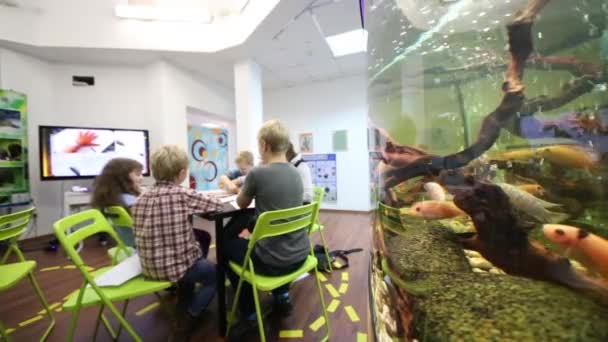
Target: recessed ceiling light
347,43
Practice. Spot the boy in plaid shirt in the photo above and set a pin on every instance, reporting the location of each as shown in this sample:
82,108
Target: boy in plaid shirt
165,240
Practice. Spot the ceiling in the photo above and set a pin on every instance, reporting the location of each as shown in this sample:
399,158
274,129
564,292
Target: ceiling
288,45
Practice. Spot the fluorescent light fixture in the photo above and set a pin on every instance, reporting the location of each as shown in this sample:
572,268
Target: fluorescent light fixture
347,43
162,13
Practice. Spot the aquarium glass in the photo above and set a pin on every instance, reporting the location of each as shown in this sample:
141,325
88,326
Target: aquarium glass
488,146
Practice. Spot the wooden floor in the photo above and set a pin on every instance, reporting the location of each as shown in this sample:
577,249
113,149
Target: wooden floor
19,308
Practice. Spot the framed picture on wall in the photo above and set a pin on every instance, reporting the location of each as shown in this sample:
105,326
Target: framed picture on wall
340,140
306,143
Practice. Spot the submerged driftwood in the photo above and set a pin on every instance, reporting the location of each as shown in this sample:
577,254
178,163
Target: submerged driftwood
513,106
502,238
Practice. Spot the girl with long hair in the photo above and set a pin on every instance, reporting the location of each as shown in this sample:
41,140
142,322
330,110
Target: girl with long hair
118,185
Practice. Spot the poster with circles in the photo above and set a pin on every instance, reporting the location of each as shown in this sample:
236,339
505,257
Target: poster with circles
208,156
323,171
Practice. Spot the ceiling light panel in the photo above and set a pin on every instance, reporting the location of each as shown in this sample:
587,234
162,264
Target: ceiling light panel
347,43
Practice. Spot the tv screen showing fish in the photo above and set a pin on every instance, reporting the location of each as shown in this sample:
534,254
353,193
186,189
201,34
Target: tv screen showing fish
82,152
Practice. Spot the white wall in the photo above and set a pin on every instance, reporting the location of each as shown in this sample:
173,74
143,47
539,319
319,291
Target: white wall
321,108
153,97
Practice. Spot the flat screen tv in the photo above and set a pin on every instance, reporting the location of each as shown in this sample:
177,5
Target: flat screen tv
82,152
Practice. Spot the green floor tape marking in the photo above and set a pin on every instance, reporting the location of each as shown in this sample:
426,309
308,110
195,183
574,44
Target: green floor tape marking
147,308
333,306
316,325
69,267
344,276
52,307
361,337
343,288
332,290
52,268
352,314
9,331
30,321
321,277
291,334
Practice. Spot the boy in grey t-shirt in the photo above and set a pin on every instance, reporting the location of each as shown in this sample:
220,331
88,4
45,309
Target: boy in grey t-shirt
274,185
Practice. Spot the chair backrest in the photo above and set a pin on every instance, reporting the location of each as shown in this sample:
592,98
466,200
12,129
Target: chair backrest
72,229
318,194
281,222
118,216
12,226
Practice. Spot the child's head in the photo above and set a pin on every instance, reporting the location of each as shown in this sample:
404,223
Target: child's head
273,140
244,161
170,164
119,176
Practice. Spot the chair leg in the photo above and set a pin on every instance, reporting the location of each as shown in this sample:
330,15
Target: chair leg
328,331
3,333
124,311
258,312
108,326
73,323
325,249
234,306
97,321
44,302
123,322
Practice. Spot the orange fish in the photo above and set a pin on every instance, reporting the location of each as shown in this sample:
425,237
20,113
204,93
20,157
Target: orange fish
593,247
532,189
568,156
434,210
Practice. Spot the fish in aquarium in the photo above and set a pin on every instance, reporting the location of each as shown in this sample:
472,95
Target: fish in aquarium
435,191
569,156
532,189
533,206
593,247
432,210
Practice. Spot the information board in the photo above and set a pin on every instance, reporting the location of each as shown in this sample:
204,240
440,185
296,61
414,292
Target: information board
323,171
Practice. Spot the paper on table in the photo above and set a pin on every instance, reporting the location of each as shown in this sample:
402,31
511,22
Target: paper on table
228,199
236,206
121,273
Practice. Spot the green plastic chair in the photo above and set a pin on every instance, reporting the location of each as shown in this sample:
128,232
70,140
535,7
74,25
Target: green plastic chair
269,224
14,225
118,217
318,194
91,222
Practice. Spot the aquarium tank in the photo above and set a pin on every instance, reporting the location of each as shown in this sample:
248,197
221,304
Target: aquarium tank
488,146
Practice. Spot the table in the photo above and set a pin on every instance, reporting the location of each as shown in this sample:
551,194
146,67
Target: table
228,211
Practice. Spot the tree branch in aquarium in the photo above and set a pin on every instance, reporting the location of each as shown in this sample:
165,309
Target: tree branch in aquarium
520,47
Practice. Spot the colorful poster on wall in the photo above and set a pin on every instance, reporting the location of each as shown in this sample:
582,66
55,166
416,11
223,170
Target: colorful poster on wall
14,175
306,143
208,154
323,169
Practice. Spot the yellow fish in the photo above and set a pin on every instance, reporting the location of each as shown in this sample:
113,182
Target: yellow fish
568,156
521,154
532,189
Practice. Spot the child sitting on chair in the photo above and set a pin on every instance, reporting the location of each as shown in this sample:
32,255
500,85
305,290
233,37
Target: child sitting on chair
234,179
118,185
275,185
165,241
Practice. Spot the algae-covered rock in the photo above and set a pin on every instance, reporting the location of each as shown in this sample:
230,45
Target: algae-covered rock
426,246
490,307
454,303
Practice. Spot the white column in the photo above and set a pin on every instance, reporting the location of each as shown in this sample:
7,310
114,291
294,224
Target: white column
248,98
